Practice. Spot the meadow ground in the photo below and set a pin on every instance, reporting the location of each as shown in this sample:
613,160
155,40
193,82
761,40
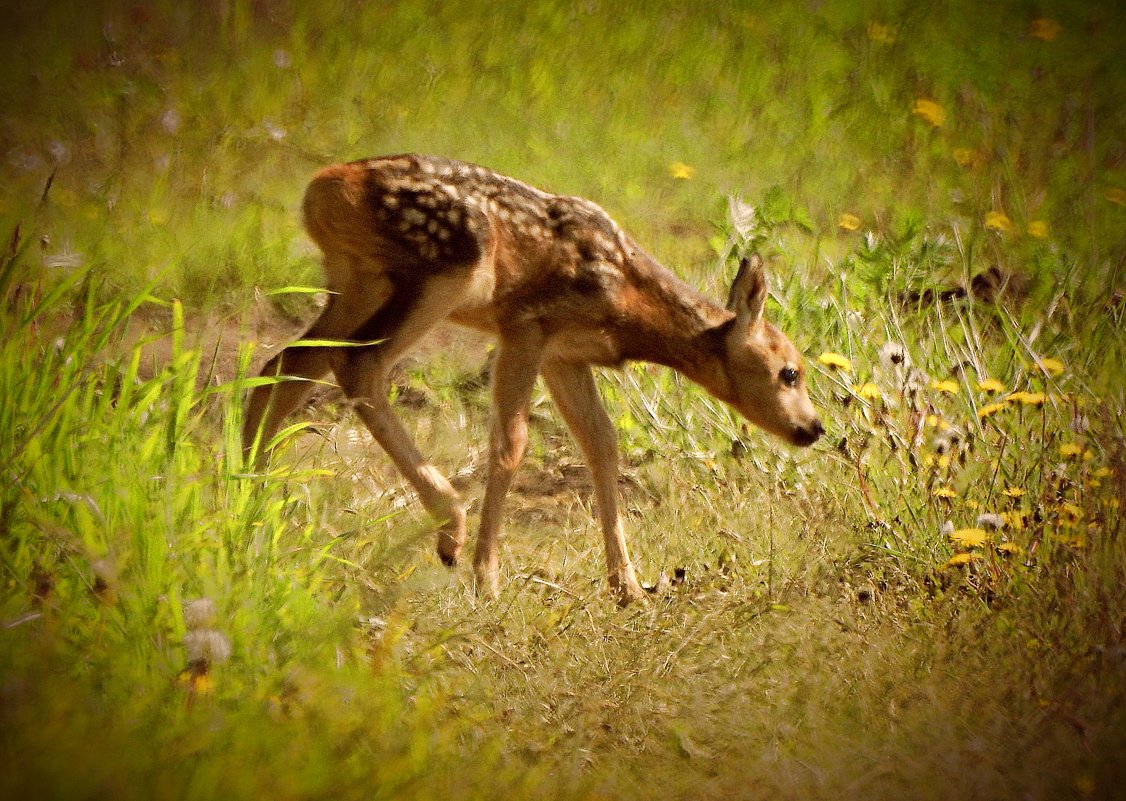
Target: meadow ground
930,603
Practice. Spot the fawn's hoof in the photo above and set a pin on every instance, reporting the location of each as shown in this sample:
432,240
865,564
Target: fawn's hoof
451,538
626,587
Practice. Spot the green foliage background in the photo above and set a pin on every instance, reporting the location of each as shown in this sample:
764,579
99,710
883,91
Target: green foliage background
824,645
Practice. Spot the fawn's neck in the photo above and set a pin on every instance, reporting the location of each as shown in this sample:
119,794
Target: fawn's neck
667,322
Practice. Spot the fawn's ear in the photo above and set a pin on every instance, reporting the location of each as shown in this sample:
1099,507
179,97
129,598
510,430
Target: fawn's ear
748,294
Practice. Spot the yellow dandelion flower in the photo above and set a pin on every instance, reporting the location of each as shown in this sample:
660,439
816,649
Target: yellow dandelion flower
1102,472
868,390
848,222
1073,512
1013,492
949,387
1094,483
1044,29
928,460
835,361
1088,455
960,559
998,221
990,385
966,156
1069,450
943,461
970,537
988,409
1008,547
1013,520
1038,229
1052,367
944,492
1115,195
681,171
1028,398
930,111
880,33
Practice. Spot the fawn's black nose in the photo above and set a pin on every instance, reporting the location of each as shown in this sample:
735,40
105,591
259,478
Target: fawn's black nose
807,435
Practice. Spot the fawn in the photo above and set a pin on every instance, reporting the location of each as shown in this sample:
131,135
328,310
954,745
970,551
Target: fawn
410,240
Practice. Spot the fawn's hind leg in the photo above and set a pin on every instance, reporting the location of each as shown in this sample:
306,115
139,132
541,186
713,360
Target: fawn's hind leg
363,373
270,404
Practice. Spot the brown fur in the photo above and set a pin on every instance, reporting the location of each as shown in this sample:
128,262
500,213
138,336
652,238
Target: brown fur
409,240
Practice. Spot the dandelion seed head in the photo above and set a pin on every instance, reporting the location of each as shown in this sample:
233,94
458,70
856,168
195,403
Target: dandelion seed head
894,357
990,520
207,645
170,121
200,613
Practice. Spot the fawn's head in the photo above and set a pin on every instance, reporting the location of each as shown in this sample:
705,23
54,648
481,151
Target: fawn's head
764,369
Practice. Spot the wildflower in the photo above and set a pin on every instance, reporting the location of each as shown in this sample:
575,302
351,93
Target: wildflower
171,121
681,171
1052,367
990,385
990,520
944,492
880,33
988,409
207,646
1044,29
1008,547
970,537
960,559
1038,229
835,361
894,356
1115,195
998,221
1069,450
930,111
966,156
1013,492
199,614
949,387
848,222
1075,540
1013,520
868,390
1072,512
1028,398
1102,472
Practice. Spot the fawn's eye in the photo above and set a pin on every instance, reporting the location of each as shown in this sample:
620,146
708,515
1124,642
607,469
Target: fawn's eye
788,376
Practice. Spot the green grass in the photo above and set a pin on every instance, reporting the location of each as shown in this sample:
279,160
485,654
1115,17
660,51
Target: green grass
830,639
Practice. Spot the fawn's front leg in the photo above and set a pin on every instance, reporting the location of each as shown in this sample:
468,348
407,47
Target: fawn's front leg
575,393
514,375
